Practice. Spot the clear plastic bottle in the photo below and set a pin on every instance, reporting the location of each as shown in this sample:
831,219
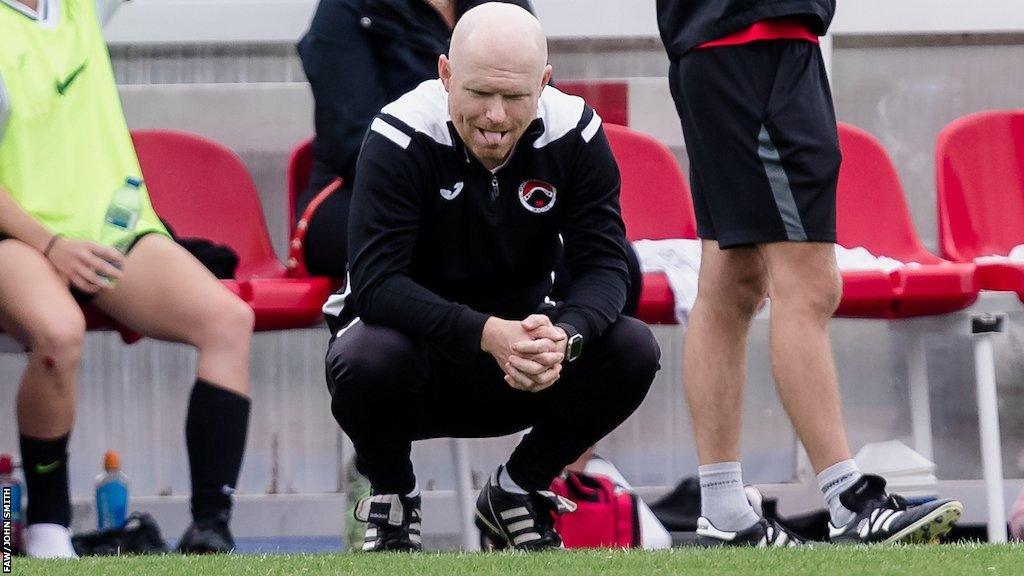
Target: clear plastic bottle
7,479
111,493
122,216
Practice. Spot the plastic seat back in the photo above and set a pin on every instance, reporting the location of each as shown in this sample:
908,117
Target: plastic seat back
979,162
203,190
609,97
871,209
656,203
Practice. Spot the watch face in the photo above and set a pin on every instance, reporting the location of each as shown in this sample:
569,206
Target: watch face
574,347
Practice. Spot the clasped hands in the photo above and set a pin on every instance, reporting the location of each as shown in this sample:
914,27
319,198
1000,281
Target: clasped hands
529,352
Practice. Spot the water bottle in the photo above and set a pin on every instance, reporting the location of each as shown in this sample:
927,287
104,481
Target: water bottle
111,493
122,216
7,480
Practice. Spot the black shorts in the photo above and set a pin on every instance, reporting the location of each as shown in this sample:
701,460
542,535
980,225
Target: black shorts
760,133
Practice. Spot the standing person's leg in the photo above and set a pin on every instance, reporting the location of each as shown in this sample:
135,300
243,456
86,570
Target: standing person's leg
805,288
720,95
731,288
167,294
37,310
799,148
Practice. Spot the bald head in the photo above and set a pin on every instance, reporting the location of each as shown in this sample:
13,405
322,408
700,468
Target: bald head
494,73
499,34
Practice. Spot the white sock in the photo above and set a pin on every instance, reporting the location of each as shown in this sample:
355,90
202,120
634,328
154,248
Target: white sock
506,483
415,491
833,481
48,541
722,498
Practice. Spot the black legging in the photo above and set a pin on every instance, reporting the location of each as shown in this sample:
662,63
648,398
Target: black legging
389,389
326,244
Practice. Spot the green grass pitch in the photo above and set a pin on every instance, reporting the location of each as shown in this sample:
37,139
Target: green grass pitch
910,560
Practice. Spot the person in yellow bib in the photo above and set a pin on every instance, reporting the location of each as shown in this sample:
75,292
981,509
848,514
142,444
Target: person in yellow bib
65,150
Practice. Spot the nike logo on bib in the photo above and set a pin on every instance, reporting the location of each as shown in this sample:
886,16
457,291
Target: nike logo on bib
62,87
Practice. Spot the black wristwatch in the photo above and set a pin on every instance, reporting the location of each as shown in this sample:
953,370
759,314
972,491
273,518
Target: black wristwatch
574,347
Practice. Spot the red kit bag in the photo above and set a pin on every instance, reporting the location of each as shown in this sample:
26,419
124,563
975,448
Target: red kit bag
606,515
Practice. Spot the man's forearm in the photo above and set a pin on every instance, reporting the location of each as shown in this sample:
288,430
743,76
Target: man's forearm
594,300
403,304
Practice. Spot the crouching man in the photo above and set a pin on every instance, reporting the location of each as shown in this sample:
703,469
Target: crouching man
469,190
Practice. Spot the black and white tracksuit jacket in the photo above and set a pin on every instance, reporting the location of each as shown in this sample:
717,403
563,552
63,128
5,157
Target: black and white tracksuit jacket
438,243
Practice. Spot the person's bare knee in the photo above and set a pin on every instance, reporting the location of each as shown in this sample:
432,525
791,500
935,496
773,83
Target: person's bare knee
810,286
230,327
746,292
732,282
56,342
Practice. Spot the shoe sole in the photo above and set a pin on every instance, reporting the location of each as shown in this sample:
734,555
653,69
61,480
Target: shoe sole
931,526
703,541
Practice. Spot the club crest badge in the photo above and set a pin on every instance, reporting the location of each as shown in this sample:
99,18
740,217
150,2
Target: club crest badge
537,196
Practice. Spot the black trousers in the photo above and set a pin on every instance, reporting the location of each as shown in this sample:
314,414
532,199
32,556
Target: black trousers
389,389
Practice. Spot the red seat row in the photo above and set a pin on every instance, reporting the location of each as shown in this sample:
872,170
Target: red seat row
204,190
871,213
980,177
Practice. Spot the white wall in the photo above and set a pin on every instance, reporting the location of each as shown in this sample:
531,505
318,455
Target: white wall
284,20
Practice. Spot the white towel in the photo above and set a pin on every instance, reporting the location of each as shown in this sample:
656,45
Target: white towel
859,258
679,260
1016,255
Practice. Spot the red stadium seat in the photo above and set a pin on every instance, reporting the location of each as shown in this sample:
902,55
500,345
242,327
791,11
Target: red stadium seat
203,189
609,97
872,213
979,163
656,205
979,166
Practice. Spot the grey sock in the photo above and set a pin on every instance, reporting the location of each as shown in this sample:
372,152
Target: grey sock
833,481
722,499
